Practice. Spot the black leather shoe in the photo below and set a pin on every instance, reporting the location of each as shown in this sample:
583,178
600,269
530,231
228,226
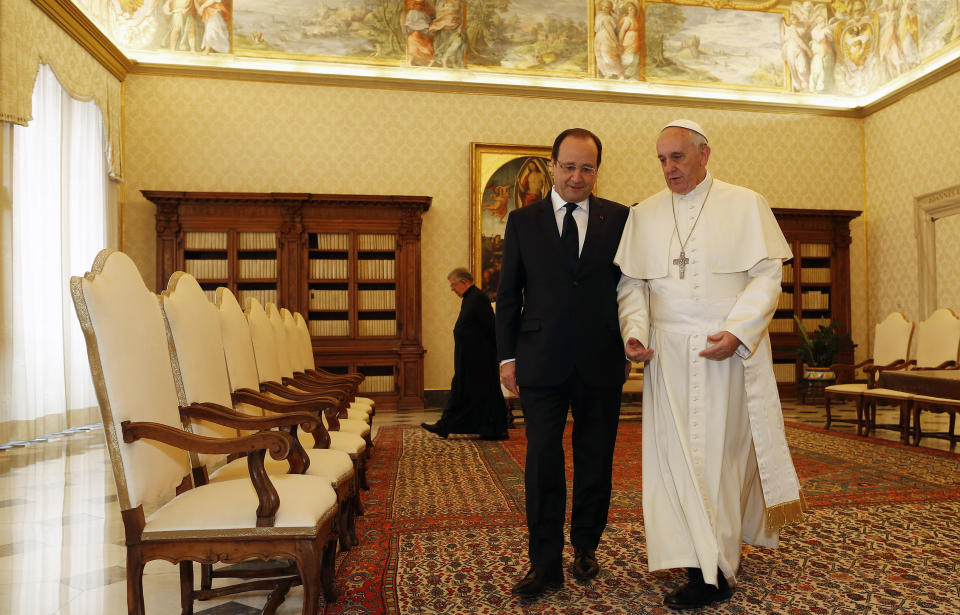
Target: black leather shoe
537,581
585,564
435,428
697,594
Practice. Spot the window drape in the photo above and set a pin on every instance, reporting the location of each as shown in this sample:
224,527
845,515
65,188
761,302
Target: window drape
57,224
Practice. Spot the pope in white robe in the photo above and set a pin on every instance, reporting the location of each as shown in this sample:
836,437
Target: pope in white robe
701,264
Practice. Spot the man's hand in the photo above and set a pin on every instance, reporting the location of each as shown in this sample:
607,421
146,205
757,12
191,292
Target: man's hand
724,345
508,376
636,352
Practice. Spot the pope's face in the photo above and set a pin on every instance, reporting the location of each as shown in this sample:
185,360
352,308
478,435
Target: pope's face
684,165
459,286
575,169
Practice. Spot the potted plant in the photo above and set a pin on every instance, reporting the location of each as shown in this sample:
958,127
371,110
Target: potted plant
817,349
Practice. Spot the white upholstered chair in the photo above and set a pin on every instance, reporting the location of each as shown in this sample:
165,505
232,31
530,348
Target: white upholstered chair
197,353
891,346
938,341
256,516
285,334
267,337
305,343
243,368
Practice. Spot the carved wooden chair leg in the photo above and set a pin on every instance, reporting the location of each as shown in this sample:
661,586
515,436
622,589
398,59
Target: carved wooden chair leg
328,568
308,564
135,565
186,588
206,576
826,401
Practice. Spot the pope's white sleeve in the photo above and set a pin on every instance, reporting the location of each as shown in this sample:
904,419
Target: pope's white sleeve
633,299
751,314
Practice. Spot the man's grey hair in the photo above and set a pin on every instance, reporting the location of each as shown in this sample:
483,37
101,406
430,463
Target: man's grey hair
697,139
461,274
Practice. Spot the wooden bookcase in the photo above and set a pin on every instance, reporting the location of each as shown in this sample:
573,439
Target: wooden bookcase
816,285
349,263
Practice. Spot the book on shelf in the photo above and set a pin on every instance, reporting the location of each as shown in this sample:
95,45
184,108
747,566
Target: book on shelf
377,384
371,328
206,269
258,268
257,241
381,242
781,325
333,241
329,328
211,295
815,275
329,299
262,295
815,300
193,240
328,269
788,272
815,250
377,299
382,269
785,302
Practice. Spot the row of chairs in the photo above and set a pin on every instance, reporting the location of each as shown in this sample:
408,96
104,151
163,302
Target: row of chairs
194,395
938,344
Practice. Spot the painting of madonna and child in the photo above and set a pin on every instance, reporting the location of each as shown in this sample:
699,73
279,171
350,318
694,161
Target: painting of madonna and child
505,177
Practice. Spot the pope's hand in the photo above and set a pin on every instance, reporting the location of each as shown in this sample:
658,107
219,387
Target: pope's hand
724,345
508,376
636,351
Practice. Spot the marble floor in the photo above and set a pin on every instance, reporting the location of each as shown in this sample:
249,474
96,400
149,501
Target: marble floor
61,537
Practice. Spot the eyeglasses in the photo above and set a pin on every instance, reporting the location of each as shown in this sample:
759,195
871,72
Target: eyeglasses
571,168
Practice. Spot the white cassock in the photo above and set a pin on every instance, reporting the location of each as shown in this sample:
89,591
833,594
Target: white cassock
716,467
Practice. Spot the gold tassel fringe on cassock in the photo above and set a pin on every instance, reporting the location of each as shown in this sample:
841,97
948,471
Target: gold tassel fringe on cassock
788,512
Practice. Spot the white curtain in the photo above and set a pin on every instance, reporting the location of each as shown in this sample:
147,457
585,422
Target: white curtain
58,178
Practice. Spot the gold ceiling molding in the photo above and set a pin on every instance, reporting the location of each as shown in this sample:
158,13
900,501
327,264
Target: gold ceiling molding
525,90
72,21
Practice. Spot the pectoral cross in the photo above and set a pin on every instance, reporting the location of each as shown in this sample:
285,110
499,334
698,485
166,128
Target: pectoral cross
682,262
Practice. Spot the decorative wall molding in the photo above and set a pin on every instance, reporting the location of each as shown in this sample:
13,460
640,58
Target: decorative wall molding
929,208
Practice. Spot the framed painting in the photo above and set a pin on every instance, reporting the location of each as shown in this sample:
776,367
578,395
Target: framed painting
502,178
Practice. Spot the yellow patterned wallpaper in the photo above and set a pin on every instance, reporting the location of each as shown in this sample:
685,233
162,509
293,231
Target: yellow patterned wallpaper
186,133
912,149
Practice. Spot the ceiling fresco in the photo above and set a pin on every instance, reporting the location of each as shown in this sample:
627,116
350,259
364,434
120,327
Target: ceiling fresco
830,50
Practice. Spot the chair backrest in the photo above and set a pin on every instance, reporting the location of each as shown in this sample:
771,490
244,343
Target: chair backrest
130,363
938,338
200,368
264,342
305,341
293,345
237,343
284,359
891,339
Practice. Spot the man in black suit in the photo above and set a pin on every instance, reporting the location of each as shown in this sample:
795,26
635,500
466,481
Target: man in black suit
476,402
558,340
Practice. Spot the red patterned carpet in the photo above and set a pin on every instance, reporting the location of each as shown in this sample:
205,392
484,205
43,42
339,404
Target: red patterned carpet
444,532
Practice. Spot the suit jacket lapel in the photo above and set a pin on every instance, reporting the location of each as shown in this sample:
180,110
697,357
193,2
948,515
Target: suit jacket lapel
548,227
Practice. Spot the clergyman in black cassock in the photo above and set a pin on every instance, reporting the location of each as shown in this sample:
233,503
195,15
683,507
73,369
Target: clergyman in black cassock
476,402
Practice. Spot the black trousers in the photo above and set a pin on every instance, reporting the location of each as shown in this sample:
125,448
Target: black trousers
596,412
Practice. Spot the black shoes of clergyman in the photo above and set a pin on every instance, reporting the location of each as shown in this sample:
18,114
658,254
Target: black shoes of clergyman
697,594
585,566
537,581
435,428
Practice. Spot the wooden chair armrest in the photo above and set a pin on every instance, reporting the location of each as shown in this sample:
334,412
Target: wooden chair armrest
313,388
277,443
255,446
358,378
229,417
299,397
944,365
896,365
314,404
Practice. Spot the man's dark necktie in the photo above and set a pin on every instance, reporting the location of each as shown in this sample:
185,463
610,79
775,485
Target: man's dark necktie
570,237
